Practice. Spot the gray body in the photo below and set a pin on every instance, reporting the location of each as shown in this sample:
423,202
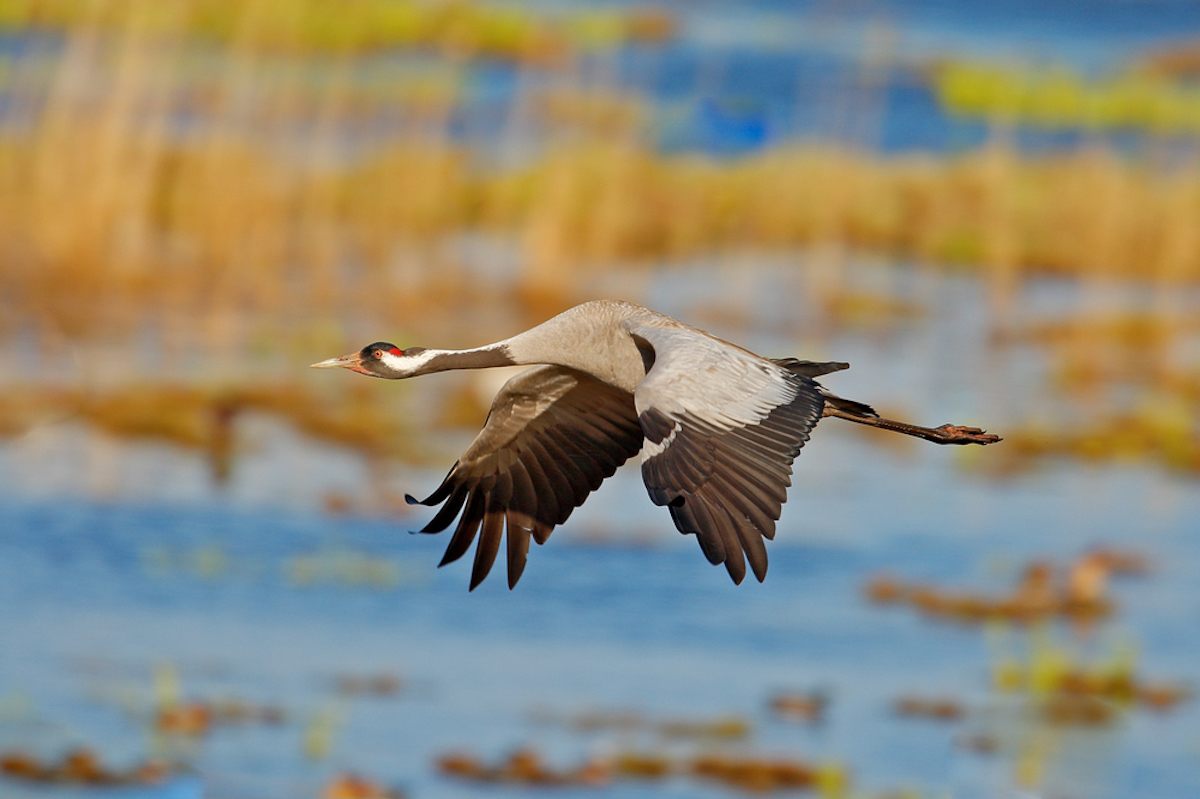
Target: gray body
716,425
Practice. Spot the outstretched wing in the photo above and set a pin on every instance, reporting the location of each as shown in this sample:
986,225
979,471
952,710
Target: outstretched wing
552,436
722,429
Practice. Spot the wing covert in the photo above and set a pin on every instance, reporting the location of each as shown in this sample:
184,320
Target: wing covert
722,428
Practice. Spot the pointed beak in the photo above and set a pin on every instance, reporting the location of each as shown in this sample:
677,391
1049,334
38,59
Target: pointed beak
351,361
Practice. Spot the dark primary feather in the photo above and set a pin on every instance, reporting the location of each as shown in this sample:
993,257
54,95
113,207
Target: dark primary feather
552,436
728,486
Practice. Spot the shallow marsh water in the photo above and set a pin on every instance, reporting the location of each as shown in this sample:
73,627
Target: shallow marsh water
120,561
594,625
124,568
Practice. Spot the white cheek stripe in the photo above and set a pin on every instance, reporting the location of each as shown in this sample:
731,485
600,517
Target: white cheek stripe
408,363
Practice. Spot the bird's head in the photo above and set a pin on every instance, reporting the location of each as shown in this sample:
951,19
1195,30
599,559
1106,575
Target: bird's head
380,359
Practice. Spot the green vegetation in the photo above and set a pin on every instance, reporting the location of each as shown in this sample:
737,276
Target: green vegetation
458,27
1058,98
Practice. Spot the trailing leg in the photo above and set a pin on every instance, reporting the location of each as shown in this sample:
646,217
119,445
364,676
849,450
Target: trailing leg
946,434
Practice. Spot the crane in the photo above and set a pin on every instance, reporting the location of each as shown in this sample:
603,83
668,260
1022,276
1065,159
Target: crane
717,426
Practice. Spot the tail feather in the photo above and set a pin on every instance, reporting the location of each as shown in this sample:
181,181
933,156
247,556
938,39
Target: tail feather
810,368
852,407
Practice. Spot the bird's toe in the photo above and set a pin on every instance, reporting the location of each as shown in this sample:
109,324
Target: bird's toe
959,434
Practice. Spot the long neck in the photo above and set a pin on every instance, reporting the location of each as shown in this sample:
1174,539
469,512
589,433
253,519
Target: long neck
429,361
588,337
549,342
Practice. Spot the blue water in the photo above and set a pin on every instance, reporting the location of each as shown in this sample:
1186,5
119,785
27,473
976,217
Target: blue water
609,615
118,559
742,77
617,611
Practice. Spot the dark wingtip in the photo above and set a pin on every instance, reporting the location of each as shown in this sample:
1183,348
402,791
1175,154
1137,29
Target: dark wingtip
758,563
411,500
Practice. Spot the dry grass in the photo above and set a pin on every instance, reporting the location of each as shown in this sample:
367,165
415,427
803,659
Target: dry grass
147,223
112,211
1074,214
220,194
204,419
1162,431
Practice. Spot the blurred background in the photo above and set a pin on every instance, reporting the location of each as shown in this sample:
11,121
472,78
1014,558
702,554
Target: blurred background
206,579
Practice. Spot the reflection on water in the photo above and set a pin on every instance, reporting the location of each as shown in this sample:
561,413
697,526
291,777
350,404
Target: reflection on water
277,633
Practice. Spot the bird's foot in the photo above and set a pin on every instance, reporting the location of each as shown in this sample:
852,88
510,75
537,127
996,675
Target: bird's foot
957,434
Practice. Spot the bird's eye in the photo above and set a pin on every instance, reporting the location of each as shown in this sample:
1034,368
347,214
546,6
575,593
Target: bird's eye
378,354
